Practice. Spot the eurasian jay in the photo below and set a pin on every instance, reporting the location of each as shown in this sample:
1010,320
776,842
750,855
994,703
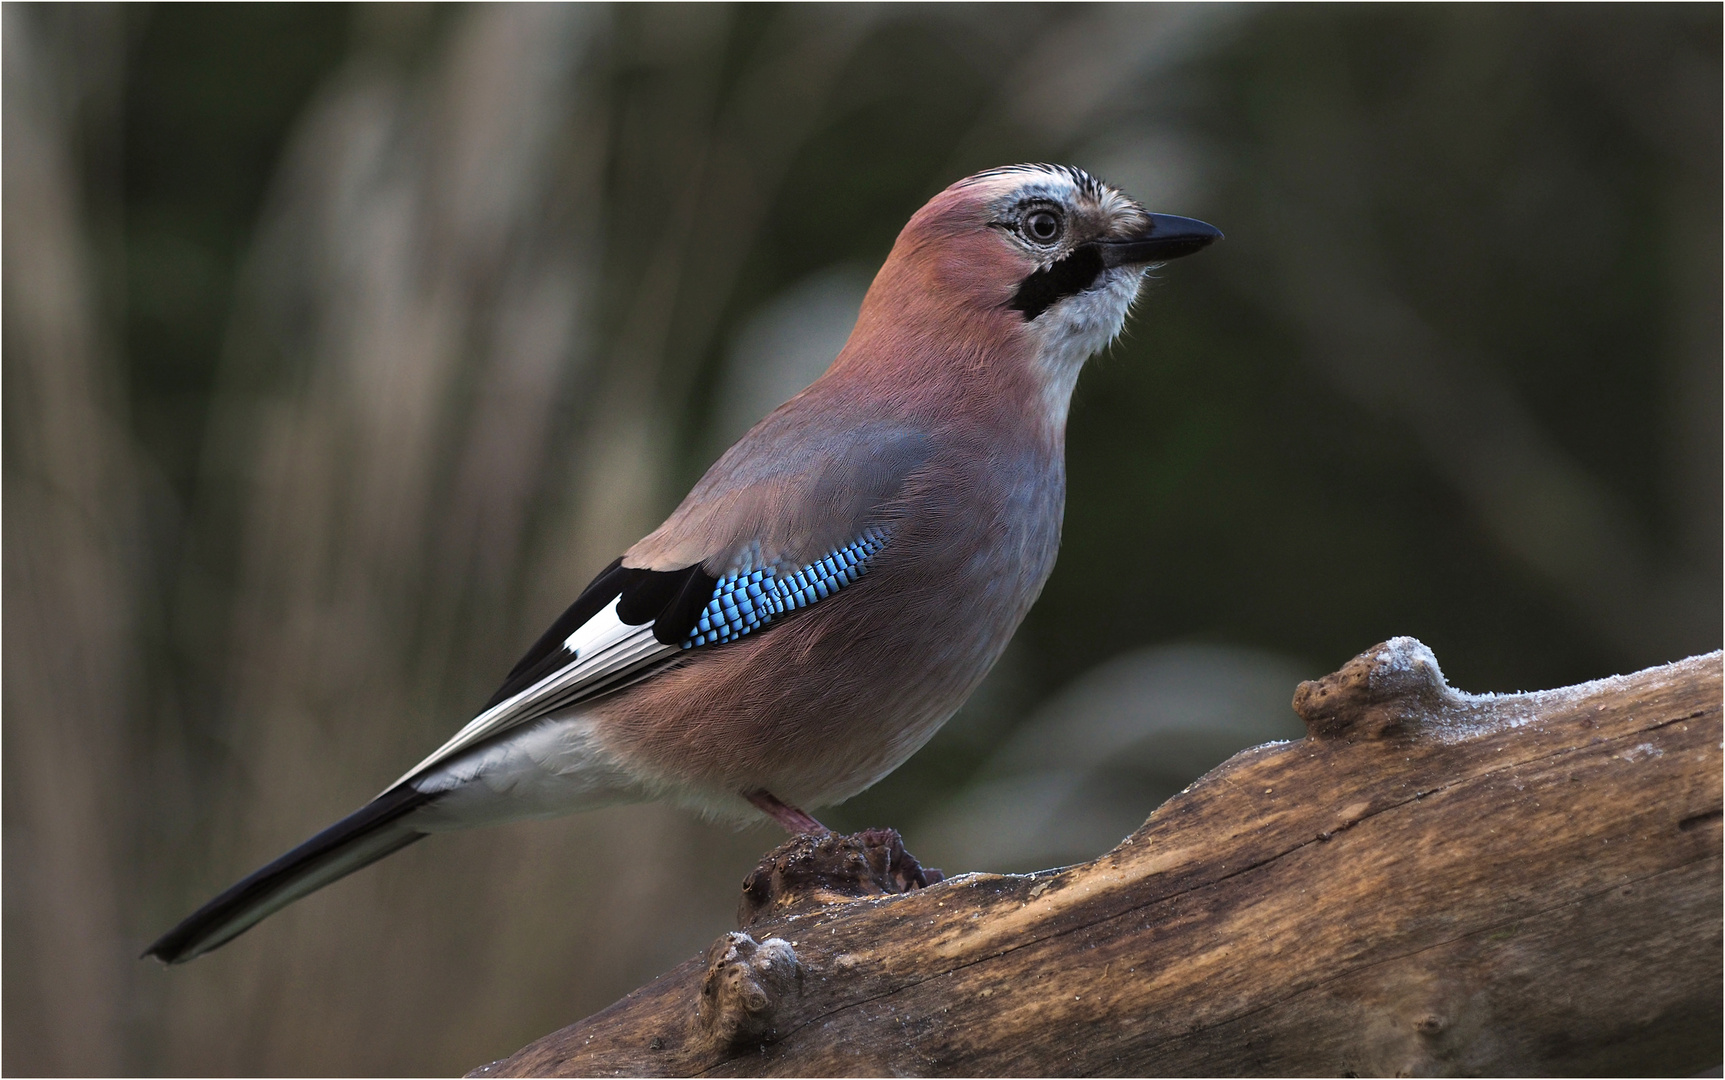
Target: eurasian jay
837,583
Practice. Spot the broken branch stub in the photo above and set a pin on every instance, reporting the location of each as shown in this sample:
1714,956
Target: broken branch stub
808,871
744,989
1431,882
1392,690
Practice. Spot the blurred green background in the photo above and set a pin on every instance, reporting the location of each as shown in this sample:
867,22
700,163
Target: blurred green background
342,344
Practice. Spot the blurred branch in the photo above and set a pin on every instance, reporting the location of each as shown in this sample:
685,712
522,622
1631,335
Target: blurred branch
71,543
730,156
412,323
1372,343
1429,883
1530,496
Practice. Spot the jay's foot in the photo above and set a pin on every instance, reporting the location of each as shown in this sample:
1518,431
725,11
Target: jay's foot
795,821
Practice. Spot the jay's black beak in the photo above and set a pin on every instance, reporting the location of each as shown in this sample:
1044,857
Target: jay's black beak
1168,237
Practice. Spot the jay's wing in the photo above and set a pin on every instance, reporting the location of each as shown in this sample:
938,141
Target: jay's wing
782,521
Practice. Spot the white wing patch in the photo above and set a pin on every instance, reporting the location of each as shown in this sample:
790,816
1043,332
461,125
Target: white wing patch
607,652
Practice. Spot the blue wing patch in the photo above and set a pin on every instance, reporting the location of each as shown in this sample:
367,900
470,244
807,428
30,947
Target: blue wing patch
750,598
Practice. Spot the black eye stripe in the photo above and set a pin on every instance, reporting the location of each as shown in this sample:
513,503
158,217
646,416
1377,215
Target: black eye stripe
1066,277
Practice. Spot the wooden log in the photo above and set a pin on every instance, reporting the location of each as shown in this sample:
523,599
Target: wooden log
1429,883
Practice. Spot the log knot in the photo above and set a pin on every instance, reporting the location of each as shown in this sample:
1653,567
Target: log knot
745,985
809,871
1384,692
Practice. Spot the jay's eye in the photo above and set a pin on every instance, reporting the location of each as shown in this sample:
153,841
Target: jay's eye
1042,226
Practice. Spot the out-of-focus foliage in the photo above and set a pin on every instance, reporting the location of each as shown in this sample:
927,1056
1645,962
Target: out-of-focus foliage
343,343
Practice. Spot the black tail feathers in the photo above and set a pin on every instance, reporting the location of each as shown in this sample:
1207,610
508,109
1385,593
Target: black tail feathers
358,840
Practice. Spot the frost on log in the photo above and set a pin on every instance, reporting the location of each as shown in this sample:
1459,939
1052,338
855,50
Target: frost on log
1429,883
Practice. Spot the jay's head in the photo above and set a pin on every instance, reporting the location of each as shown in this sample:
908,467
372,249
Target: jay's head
1030,265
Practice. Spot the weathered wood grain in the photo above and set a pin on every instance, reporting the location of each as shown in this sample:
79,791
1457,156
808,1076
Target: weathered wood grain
1428,883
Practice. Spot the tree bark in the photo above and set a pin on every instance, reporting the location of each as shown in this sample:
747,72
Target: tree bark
1430,882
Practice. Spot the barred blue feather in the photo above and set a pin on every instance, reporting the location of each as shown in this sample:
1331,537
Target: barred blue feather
750,598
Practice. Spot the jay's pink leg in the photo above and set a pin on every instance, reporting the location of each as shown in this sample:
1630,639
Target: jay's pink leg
795,821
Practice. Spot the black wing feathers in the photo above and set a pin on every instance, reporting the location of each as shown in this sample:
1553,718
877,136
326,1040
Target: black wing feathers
647,593
671,600
677,621
548,653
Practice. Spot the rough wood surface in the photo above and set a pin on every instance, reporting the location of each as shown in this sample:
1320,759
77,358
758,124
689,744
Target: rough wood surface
1428,883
